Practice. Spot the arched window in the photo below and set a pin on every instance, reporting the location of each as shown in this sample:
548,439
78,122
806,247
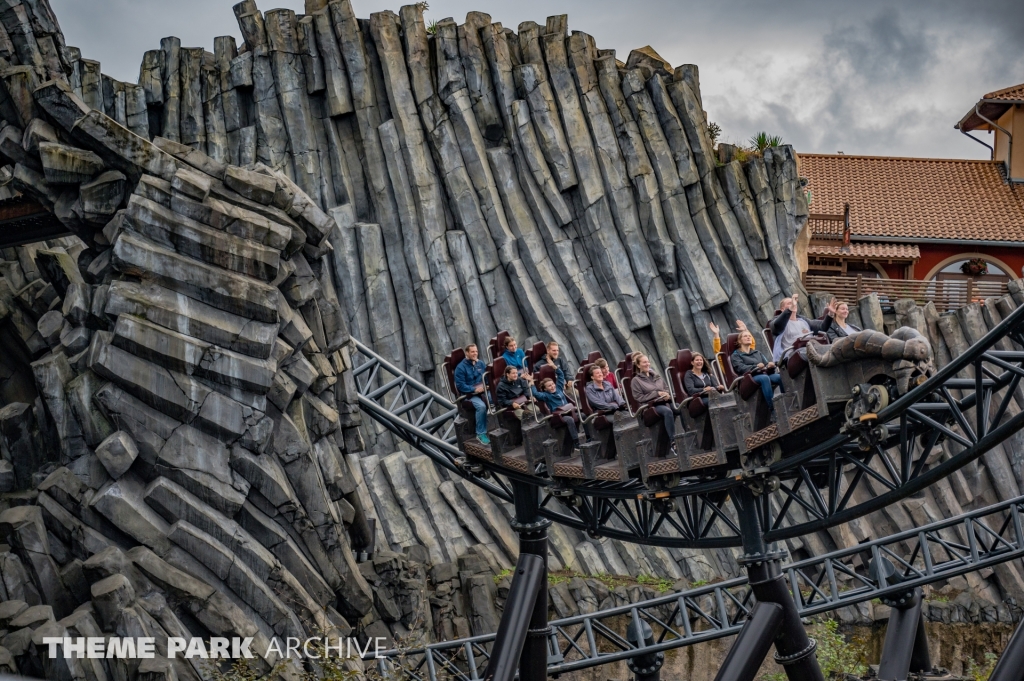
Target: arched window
964,266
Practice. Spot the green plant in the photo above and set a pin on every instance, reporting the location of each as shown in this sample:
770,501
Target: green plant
699,582
432,28
714,132
555,578
981,672
241,670
974,267
837,657
502,575
659,584
763,140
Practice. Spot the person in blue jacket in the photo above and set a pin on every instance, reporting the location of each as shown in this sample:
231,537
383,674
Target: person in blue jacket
515,357
558,404
469,382
554,358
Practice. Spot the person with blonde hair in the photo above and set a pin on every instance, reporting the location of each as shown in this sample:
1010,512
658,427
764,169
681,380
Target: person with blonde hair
839,328
747,360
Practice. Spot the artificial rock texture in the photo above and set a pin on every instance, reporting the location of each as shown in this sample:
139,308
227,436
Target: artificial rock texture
481,179
182,451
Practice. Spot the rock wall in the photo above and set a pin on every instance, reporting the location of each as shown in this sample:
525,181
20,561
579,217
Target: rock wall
524,181
181,450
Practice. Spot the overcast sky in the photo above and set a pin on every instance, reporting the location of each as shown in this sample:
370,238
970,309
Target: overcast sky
865,77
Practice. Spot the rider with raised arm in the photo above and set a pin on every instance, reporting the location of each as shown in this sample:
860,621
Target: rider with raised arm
789,327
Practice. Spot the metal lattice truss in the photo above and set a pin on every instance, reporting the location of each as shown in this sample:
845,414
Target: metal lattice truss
938,551
953,418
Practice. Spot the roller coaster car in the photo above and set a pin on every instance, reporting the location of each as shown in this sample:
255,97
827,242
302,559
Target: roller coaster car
696,445
598,456
548,438
846,382
642,442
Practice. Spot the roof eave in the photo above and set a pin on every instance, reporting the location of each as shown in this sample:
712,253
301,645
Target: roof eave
972,121
926,240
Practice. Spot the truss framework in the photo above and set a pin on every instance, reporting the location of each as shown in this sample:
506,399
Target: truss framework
935,552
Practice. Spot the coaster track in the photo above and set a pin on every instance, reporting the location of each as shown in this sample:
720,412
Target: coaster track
953,418
934,552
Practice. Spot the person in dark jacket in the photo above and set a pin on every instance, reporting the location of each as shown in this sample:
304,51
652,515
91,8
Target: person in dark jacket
559,405
515,357
649,388
789,327
514,393
746,360
600,394
839,328
469,383
555,359
698,382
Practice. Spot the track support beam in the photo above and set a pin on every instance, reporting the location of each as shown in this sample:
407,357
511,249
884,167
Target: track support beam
533,540
794,650
753,643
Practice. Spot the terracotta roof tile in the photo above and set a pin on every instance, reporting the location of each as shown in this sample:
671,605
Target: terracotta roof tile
859,249
1014,93
917,198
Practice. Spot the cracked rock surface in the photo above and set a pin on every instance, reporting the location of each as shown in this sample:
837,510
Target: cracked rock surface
181,447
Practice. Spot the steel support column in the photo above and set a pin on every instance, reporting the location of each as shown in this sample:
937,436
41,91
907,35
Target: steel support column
752,645
794,650
533,539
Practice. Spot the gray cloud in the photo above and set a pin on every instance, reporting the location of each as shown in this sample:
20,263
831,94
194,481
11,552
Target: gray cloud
871,77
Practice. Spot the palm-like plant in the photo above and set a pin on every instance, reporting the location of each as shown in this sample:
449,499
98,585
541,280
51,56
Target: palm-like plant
763,140
432,28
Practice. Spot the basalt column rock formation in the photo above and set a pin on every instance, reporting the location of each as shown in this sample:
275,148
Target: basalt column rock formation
181,450
522,180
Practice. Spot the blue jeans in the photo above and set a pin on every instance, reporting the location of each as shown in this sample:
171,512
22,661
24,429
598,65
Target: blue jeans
766,382
481,414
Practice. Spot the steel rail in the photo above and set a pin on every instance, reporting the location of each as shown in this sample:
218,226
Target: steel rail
821,479
934,552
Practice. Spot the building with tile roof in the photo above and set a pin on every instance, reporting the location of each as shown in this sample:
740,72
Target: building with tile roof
924,219
1000,113
912,218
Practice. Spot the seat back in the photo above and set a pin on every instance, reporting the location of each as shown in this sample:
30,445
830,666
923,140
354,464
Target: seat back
495,372
769,337
627,388
677,368
580,383
497,345
546,371
534,354
622,371
450,362
593,357
725,358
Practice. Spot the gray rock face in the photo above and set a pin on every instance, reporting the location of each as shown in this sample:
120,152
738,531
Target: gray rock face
117,453
178,377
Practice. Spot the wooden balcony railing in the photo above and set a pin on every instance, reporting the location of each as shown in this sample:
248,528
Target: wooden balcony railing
947,294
